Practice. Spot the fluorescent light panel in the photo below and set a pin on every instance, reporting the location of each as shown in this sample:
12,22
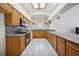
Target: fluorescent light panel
39,5
42,5
35,5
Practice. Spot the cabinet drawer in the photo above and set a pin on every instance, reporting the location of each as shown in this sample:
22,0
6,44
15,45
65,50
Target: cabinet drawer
6,8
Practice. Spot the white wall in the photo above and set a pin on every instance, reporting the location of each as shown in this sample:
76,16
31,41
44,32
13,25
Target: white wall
2,35
68,21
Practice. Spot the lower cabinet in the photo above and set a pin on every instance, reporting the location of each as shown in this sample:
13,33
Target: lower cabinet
49,37
15,45
39,34
72,49
54,41
61,46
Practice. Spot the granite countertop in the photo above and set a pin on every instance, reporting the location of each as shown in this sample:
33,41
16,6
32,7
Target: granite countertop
68,36
42,30
18,34
15,34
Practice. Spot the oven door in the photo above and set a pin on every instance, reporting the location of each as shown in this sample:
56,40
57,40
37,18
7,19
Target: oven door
27,38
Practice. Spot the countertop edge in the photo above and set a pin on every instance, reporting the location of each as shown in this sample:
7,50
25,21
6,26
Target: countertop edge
66,38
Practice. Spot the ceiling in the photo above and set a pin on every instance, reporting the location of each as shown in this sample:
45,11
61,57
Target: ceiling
42,14
37,14
47,11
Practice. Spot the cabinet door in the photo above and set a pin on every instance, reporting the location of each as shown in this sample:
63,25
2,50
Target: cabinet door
50,38
26,20
33,34
47,36
72,49
16,18
36,34
41,34
54,41
12,19
71,52
8,20
22,43
5,8
44,34
21,16
12,46
61,46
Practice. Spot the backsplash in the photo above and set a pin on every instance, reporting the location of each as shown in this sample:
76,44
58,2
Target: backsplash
12,30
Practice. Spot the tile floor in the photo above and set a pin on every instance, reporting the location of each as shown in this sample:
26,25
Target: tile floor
39,47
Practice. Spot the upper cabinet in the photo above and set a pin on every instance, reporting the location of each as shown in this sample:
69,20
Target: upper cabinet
16,17
5,8
13,19
21,16
26,20
12,16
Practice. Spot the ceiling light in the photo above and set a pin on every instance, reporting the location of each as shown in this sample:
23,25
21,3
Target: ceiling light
35,5
42,5
39,5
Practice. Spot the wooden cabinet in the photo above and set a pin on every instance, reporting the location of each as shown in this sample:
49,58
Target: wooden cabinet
72,49
12,16
22,43
35,34
54,41
26,20
13,19
14,45
5,8
61,47
21,16
16,17
49,37
39,34
44,34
